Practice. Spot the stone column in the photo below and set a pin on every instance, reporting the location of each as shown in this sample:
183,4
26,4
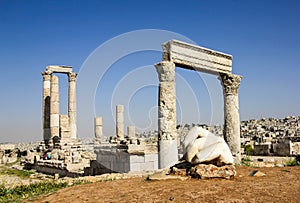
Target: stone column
46,106
120,122
167,133
54,107
98,127
230,83
131,132
72,105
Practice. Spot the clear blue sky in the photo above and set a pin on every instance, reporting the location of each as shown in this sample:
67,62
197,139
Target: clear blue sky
262,36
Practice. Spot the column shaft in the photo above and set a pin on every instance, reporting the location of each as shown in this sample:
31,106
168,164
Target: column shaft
131,132
54,107
46,106
72,105
120,122
231,113
98,127
167,133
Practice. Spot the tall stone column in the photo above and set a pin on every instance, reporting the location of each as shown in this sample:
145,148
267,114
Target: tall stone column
54,107
98,127
46,106
120,122
72,105
230,83
167,133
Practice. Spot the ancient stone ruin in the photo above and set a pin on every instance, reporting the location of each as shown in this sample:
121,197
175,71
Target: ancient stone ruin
55,125
188,56
61,152
125,153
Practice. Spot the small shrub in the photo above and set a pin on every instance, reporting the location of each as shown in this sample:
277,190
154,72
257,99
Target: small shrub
24,191
292,162
246,161
249,150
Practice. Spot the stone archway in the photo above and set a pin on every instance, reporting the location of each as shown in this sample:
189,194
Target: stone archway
188,56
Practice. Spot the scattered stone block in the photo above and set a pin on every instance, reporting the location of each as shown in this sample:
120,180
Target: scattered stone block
204,171
257,173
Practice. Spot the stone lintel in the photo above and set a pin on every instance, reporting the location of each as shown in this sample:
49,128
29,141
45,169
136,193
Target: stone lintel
196,58
59,69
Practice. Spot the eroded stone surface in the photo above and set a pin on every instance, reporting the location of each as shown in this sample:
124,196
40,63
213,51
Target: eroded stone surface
231,133
195,57
167,101
204,171
98,127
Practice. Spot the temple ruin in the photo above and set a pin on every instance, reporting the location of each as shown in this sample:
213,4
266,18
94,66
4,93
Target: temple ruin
192,57
127,152
55,125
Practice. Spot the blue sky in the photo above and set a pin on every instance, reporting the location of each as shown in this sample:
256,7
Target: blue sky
262,36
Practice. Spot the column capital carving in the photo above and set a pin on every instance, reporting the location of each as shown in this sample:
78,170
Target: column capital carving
230,83
166,71
72,77
46,75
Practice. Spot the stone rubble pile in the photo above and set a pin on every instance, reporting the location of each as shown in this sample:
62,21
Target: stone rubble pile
203,171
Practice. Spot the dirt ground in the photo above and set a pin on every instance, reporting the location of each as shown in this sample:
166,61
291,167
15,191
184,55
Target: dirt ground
279,185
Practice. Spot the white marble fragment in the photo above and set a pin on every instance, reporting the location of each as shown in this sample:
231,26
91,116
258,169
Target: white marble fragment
201,146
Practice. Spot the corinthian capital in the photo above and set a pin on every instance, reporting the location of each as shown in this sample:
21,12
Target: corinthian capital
72,77
46,75
230,83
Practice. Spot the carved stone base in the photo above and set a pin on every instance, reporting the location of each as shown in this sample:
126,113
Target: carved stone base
167,153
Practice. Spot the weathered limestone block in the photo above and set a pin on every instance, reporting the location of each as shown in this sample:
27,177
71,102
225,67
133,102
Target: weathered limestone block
195,57
98,127
230,85
167,132
202,146
65,131
76,159
59,69
120,122
68,159
131,132
204,171
167,101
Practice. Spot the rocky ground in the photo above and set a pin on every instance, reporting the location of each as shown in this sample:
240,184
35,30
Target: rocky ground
280,184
